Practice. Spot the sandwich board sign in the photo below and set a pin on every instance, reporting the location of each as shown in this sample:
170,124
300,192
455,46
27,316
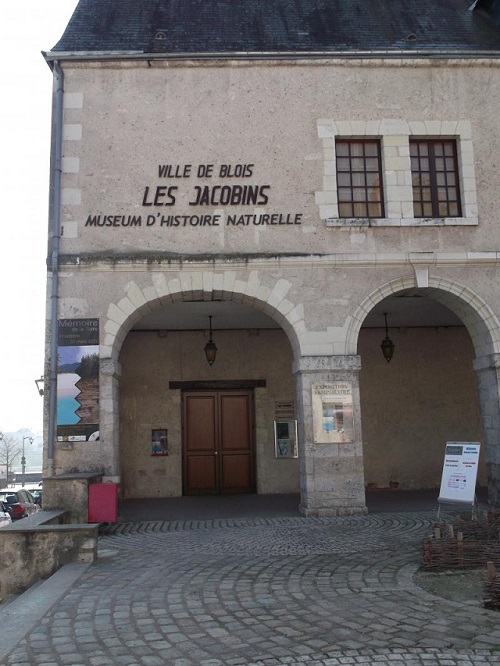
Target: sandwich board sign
458,481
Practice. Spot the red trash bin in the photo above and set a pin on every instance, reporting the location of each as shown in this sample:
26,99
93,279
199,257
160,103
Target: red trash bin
103,503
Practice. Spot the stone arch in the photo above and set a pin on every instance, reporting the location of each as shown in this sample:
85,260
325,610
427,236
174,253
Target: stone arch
483,327
188,286
480,321
206,286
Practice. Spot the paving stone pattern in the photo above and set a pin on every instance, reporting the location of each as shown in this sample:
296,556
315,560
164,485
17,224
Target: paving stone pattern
263,592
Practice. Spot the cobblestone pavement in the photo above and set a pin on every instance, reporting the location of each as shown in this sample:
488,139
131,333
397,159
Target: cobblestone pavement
265,592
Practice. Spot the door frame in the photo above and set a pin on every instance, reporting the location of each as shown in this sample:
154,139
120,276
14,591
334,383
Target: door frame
220,387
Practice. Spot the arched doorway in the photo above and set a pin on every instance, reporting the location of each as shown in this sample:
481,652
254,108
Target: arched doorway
187,427
440,386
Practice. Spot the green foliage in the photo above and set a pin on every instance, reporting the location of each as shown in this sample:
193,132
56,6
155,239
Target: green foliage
89,367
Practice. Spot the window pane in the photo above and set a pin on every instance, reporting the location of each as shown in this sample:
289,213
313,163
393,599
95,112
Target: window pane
357,164
343,164
417,209
360,210
345,210
443,209
371,149
358,179
356,149
344,179
344,193
450,164
427,210
375,210
372,164
342,148
453,210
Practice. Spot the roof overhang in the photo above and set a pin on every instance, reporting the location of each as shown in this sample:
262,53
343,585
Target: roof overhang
97,56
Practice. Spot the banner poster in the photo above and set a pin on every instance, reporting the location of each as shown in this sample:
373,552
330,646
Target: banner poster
458,482
332,412
78,380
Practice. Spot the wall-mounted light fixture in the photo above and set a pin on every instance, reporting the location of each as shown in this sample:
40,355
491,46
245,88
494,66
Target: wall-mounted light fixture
210,348
387,345
40,384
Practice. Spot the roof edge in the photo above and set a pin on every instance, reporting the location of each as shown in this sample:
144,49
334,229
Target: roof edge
53,56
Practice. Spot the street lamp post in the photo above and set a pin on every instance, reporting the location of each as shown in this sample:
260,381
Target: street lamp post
23,459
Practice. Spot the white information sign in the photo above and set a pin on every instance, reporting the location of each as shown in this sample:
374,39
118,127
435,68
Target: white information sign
458,482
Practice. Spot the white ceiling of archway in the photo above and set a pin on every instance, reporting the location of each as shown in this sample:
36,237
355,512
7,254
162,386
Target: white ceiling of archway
403,310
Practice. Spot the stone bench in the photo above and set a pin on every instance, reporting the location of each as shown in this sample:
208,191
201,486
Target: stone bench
35,547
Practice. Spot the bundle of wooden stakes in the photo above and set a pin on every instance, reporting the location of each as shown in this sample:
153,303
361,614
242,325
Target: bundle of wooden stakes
472,544
492,588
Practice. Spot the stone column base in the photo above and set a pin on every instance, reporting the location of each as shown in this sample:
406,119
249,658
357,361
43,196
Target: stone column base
319,512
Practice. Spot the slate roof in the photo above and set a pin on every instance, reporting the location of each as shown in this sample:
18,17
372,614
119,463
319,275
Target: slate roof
286,26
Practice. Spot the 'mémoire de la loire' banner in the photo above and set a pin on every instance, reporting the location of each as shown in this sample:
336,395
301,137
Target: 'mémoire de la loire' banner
78,380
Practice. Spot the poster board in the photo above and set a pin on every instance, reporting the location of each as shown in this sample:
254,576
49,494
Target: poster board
458,481
332,412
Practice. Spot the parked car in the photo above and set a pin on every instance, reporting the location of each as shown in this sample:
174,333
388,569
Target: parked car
20,503
37,495
5,518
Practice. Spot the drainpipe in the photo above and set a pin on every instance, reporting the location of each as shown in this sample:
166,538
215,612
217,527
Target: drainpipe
54,265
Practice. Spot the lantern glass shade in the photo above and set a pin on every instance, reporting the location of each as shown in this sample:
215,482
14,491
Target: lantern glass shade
210,351
387,347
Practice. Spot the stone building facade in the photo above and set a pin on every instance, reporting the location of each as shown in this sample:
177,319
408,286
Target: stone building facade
295,190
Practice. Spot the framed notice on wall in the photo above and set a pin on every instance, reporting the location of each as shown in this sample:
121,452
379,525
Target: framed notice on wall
332,412
285,439
159,442
458,482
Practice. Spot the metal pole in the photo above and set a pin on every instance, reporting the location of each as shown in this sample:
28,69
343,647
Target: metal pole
55,224
23,460
23,465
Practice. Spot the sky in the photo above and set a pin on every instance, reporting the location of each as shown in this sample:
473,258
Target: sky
26,29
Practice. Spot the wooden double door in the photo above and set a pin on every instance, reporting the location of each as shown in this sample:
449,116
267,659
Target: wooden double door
218,442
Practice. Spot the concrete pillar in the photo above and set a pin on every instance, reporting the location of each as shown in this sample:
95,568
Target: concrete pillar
488,373
109,415
331,473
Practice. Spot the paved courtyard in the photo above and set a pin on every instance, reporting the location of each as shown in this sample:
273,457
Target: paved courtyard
264,591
